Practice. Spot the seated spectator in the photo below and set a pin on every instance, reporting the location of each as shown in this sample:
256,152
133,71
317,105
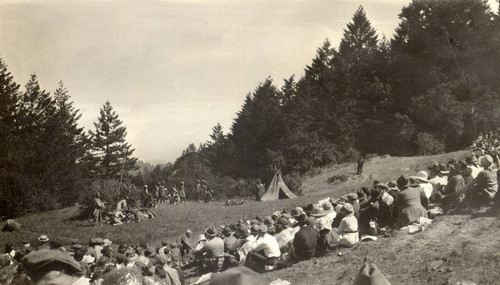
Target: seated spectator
305,240
352,198
454,192
392,189
211,255
185,244
50,267
472,164
409,206
265,253
485,186
422,180
440,181
347,232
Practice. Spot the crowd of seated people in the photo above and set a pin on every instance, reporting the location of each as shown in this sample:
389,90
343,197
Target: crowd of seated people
280,239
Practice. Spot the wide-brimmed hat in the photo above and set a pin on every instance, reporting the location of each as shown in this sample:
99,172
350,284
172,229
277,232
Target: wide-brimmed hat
443,169
295,212
286,216
327,207
106,242
348,208
486,161
381,185
317,212
421,176
211,231
392,185
43,238
201,238
352,196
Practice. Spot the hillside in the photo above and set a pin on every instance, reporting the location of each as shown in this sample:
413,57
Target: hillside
457,246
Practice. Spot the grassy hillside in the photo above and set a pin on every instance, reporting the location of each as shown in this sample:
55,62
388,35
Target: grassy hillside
465,246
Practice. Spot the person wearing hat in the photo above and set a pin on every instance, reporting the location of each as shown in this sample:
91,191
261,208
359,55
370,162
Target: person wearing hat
485,186
454,193
43,242
211,255
440,181
472,164
352,198
392,189
420,181
185,245
305,240
408,203
265,253
182,194
260,190
347,232
99,206
50,267
285,233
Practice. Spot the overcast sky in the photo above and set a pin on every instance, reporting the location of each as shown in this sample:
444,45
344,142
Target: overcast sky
172,69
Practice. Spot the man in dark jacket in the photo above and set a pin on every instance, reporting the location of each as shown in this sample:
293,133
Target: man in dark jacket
305,240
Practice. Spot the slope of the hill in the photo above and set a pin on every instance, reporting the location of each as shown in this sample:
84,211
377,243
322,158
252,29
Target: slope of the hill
458,246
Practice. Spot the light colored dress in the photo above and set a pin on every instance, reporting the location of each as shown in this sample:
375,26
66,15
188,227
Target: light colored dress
346,234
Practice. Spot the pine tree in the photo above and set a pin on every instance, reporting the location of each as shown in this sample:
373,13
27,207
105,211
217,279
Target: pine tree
112,154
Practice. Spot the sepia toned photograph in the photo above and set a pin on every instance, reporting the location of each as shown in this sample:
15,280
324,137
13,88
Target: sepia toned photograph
248,142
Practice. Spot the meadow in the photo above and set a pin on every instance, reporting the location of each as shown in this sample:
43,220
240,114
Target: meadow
460,245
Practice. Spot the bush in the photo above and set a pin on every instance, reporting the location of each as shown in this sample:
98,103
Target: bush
111,191
294,182
427,144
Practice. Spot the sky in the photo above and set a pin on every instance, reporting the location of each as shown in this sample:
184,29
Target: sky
172,69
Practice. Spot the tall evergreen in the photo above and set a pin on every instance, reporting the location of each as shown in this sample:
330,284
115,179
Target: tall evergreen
111,153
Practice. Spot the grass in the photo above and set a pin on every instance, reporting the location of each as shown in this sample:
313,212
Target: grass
173,220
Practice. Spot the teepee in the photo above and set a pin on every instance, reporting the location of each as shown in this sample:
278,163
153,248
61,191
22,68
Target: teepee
277,189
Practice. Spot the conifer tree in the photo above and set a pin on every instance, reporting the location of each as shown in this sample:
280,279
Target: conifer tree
111,153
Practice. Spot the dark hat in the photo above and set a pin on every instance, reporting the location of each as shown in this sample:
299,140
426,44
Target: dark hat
295,212
268,221
254,222
318,212
403,182
370,275
254,229
106,250
37,261
471,159
211,231
259,218
226,231
392,185
283,222
286,216
239,276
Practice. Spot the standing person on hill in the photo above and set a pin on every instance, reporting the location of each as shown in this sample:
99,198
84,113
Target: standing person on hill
260,191
360,162
197,191
408,203
99,206
182,194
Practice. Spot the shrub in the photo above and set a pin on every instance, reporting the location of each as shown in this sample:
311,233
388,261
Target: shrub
294,182
427,144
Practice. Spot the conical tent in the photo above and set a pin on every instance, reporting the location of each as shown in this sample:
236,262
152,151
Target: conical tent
277,189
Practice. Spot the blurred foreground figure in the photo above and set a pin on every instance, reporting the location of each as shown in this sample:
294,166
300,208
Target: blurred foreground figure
50,267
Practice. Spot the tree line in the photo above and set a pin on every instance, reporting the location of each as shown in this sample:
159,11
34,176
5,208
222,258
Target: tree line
433,87
47,161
